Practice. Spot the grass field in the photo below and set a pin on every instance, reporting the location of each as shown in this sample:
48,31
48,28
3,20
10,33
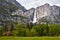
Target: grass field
29,38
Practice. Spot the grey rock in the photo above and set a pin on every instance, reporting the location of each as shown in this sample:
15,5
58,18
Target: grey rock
51,14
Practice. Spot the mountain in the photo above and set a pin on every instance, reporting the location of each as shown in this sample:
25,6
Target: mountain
48,14
12,11
8,11
29,14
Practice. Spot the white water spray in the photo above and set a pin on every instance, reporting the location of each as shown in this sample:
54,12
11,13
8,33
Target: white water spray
34,19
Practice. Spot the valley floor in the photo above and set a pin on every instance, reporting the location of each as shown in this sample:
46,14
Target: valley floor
29,38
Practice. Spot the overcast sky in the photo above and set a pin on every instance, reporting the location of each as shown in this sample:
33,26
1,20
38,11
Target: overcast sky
34,3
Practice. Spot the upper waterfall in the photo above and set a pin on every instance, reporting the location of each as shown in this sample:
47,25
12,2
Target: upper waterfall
34,19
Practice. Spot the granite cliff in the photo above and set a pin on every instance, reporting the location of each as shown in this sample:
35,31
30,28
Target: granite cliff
12,11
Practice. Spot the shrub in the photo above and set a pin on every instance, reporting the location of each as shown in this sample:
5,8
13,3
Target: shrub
1,30
33,32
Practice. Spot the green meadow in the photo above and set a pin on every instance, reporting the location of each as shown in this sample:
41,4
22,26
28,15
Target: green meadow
29,38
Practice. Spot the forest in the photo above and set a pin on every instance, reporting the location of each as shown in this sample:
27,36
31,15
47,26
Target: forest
30,30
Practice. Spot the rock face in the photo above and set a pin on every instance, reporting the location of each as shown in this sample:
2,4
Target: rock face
30,14
12,11
49,14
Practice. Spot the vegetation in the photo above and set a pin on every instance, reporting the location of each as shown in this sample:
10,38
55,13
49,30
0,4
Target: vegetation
29,38
30,30
1,30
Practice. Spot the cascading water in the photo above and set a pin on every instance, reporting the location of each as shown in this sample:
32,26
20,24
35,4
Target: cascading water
34,19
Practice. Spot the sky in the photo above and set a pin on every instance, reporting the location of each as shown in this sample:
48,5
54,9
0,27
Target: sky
35,3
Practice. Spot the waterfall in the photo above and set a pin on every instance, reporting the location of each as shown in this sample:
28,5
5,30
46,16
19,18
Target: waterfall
34,19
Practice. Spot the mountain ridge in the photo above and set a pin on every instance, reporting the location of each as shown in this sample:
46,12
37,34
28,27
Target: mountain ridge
50,11
17,13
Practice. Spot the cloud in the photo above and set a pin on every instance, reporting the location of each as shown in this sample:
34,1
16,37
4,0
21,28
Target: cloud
34,3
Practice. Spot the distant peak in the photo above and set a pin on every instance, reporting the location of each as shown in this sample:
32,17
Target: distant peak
32,9
47,4
55,6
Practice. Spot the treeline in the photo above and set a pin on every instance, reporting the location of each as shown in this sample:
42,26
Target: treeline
32,30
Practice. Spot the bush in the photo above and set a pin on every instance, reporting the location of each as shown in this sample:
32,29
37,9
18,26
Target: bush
33,32
37,30
20,30
1,30
54,29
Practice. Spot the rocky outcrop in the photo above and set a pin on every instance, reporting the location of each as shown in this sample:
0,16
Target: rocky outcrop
12,11
30,14
49,14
